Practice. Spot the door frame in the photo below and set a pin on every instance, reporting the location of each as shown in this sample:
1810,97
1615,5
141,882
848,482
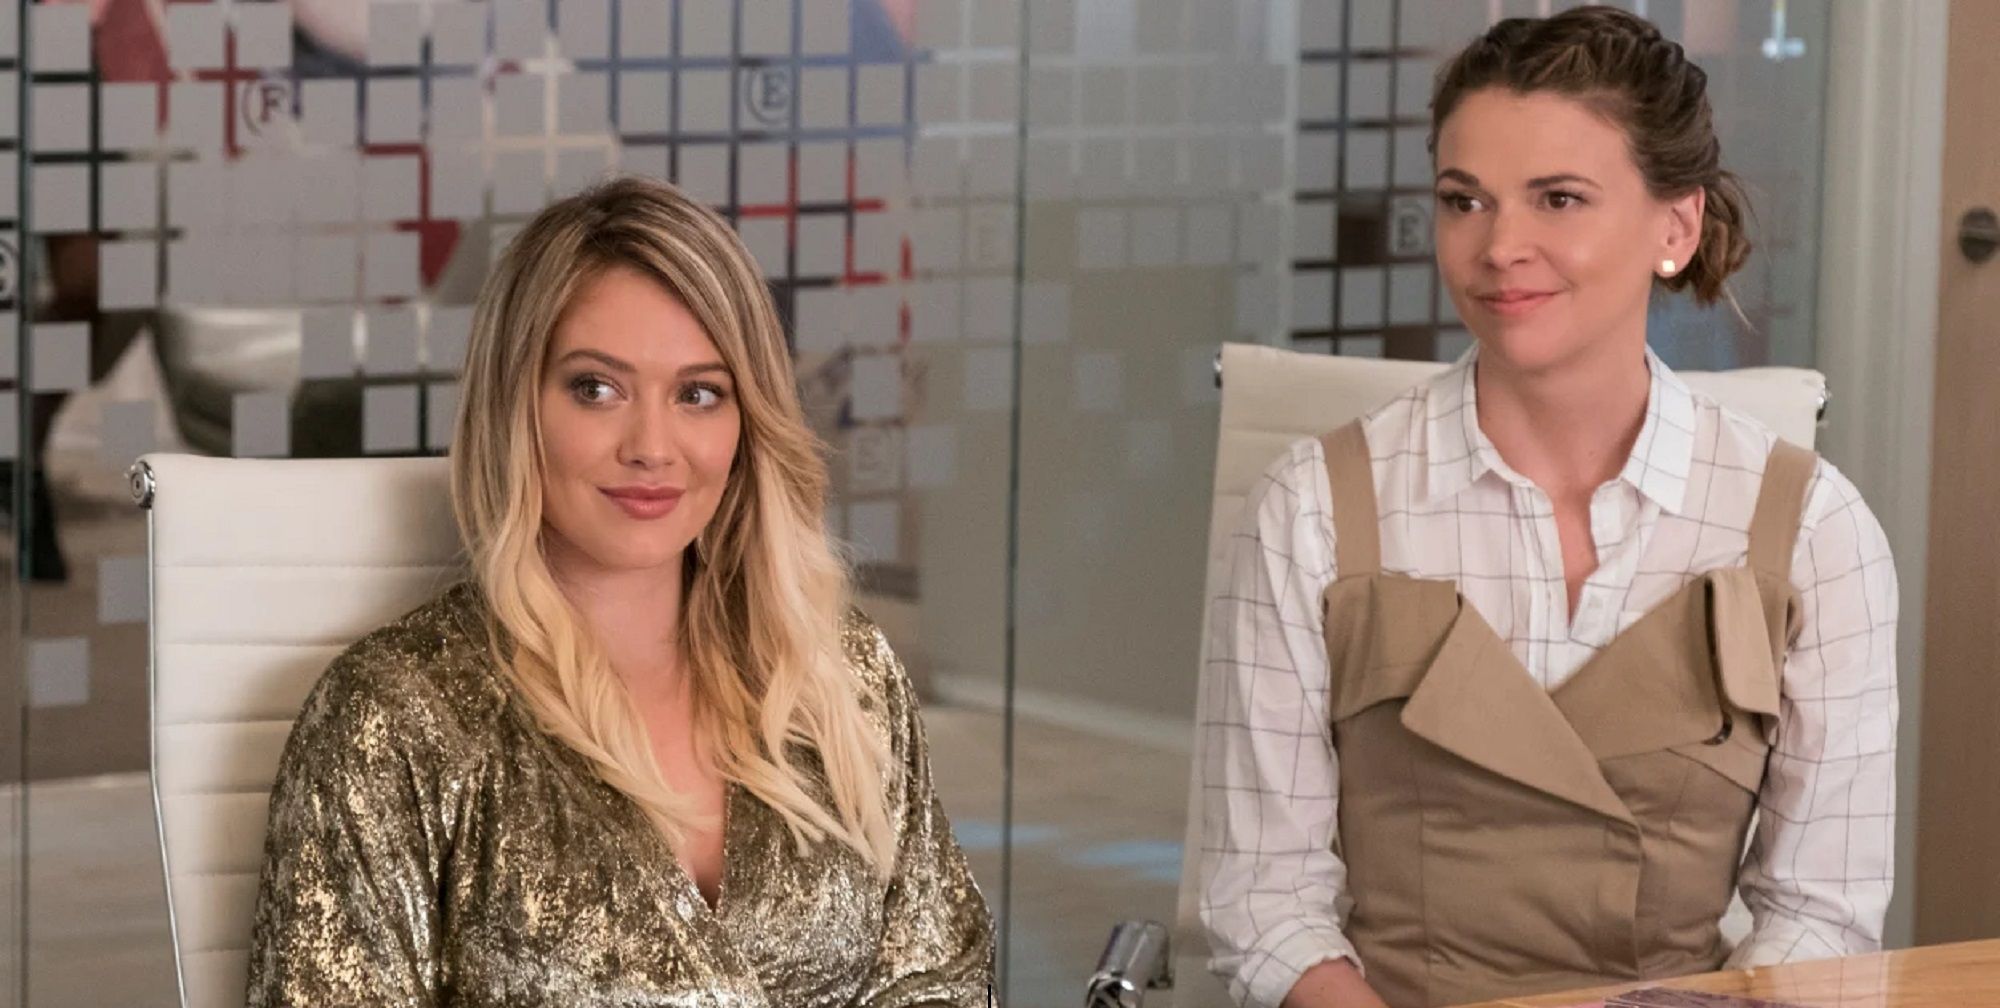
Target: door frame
1877,317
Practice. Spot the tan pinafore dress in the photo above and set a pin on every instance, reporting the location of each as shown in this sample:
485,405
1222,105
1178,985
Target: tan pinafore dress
1502,839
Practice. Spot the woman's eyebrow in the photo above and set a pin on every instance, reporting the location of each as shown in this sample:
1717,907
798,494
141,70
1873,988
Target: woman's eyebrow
601,357
1566,178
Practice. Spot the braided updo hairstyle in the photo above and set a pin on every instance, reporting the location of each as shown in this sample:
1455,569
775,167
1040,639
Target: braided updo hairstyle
1619,65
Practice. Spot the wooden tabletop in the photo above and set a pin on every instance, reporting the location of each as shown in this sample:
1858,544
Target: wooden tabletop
1939,976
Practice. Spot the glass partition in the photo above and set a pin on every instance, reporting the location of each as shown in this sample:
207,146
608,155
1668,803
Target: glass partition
1008,237
14,684
1159,157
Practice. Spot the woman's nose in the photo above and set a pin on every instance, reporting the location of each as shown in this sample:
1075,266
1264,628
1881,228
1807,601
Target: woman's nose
1508,240
649,437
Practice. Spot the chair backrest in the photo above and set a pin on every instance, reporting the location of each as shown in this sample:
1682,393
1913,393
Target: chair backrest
261,572
1272,397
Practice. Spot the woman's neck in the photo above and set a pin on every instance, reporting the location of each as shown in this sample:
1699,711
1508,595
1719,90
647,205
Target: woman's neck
1571,428
634,616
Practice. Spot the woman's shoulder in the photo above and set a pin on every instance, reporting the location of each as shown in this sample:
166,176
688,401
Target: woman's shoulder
1742,443
887,695
427,673
868,653
1390,430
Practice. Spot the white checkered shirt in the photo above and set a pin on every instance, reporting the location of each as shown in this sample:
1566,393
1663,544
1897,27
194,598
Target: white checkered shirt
1818,872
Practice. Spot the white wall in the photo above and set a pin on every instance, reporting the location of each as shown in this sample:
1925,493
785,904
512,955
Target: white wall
1878,315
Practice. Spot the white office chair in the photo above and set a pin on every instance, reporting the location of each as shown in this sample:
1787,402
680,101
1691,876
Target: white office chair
210,354
1270,398
262,572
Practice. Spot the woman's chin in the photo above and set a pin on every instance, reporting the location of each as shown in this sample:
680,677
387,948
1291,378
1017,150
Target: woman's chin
1526,349
627,558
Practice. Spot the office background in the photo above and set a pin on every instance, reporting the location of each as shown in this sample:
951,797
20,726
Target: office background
1008,236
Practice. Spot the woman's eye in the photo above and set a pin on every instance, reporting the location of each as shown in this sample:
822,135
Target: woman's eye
1458,202
592,390
702,396
1563,200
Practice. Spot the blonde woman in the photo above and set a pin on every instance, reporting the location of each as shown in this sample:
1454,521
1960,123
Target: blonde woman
646,755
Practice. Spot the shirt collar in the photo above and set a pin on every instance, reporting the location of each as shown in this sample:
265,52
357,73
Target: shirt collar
1458,453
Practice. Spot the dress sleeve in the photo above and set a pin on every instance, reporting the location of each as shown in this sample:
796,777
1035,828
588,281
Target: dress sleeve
937,940
348,903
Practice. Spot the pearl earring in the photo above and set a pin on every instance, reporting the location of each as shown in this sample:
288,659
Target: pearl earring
1667,267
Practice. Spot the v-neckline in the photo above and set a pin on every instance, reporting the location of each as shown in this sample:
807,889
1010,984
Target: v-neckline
686,878
1677,599
1566,762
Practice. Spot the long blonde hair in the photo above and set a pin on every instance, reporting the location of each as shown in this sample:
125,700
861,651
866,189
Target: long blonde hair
766,593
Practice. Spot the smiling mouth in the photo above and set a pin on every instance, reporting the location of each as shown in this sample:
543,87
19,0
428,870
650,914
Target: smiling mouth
644,503
1513,304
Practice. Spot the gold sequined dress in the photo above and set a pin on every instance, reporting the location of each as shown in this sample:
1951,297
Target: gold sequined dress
430,846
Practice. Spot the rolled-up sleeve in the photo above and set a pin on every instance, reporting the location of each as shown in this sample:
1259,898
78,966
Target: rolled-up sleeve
1819,873
1273,892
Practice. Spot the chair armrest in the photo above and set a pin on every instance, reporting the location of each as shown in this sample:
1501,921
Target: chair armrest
1135,960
